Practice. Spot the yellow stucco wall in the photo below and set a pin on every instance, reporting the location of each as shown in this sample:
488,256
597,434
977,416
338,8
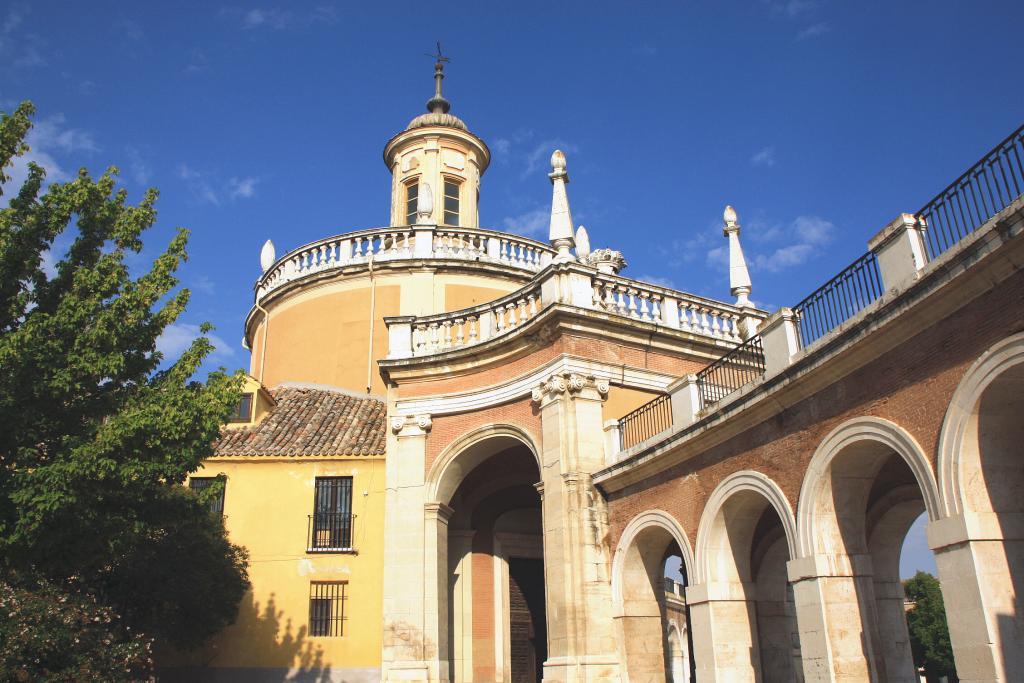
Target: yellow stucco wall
320,335
622,400
266,508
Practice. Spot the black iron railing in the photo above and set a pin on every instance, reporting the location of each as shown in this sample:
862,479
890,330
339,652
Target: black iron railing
980,193
839,299
742,365
649,419
330,531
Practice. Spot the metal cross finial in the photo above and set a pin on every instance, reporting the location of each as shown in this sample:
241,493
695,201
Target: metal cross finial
439,57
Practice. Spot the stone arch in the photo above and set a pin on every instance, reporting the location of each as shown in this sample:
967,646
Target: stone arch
866,483
747,535
656,519
849,433
639,603
746,480
980,546
962,413
469,450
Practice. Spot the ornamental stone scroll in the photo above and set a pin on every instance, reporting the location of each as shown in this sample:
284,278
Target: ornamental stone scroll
568,383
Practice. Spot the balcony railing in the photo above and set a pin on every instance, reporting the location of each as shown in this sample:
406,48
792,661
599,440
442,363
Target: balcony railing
980,193
649,419
738,367
330,532
405,243
839,299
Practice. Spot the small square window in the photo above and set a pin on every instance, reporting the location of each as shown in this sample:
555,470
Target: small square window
243,411
200,484
327,608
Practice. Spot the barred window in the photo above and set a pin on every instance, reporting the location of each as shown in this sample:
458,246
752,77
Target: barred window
327,608
200,484
451,202
243,411
412,193
331,522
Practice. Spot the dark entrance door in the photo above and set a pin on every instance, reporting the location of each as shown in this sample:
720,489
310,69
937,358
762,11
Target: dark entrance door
528,637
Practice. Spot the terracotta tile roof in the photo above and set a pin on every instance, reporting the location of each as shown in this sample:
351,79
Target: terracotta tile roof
309,421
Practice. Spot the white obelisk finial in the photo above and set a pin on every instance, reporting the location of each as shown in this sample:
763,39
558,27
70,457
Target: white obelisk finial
739,278
582,243
561,230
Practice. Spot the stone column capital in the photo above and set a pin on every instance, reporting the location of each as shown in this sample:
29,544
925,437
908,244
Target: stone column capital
437,510
568,384
410,425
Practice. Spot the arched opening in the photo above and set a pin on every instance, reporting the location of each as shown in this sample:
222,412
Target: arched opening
650,579
863,494
496,596
991,491
746,547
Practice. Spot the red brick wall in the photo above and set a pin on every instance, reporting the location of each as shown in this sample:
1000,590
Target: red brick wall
910,386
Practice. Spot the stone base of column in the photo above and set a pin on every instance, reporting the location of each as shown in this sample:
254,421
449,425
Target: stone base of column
413,672
583,669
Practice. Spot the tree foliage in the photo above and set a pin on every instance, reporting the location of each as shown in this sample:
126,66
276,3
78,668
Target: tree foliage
99,434
926,621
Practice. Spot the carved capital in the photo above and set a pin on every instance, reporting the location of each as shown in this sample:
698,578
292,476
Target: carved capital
566,383
411,425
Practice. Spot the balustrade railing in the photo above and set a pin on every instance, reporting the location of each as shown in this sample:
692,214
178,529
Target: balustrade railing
666,307
738,367
839,299
980,193
389,244
649,419
449,331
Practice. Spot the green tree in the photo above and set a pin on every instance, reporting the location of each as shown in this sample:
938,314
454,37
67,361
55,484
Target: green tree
929,633
99,434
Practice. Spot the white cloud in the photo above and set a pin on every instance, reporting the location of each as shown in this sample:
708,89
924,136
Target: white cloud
177,337
137,167
197,61
813,31
244,187
764,157
278,19
210,190
48,139
201,189
502,146
530,223
806,235
542,151
129,28
657,280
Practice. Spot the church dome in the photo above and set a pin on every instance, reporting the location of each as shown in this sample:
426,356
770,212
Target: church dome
437,118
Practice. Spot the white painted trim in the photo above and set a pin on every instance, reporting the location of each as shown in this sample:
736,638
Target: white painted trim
744,480
486,397
995,361
848,433
646,520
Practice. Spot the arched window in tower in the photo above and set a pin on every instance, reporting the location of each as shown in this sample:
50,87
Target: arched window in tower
412,193
451,202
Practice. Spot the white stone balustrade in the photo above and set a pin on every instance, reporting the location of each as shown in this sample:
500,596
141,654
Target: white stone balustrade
396,243
669,308
427,335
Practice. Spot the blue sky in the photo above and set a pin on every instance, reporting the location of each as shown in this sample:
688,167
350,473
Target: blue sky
819,121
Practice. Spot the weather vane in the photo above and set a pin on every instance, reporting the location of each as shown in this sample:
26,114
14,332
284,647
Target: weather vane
439,57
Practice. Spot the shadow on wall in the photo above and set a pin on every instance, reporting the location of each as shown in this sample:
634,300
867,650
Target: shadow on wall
258,633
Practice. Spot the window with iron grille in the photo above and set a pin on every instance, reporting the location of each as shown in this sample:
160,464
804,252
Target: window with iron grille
451,202
200,484
327,608
331,521
243,411
412,193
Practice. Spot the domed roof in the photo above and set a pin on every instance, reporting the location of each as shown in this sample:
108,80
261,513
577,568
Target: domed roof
437,118
437,106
